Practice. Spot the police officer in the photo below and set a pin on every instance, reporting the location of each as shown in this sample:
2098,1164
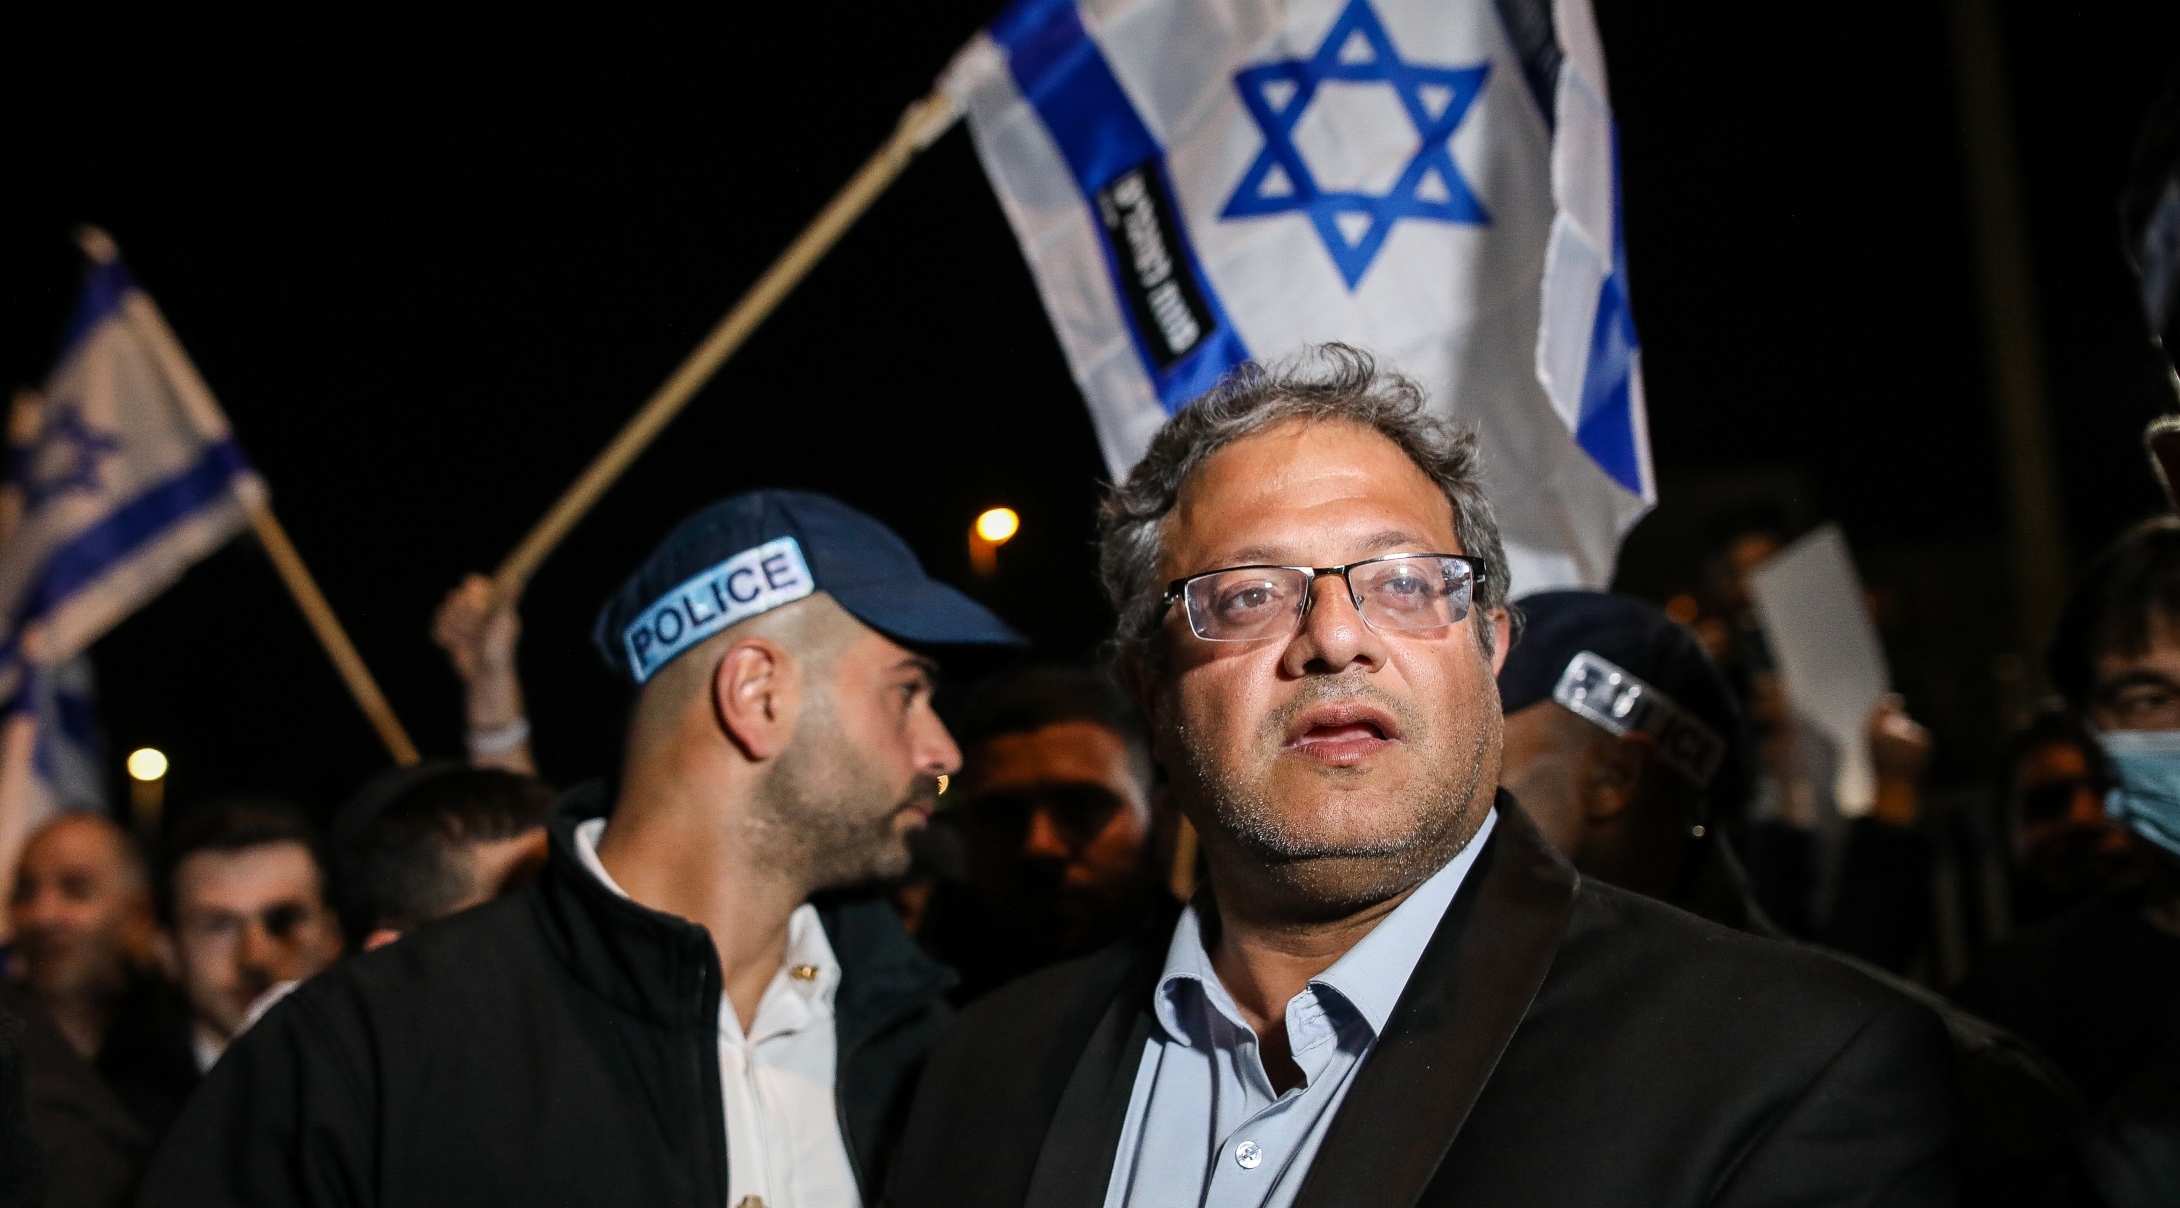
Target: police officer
693,1006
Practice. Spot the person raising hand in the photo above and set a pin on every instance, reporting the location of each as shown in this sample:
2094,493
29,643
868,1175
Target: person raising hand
479,634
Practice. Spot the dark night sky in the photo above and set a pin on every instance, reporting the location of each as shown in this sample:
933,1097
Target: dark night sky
430,265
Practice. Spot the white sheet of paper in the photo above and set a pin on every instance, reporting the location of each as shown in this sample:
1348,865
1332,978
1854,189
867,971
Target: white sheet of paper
1809,601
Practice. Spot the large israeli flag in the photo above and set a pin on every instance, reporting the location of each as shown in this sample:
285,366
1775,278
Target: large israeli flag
124,472
1196,183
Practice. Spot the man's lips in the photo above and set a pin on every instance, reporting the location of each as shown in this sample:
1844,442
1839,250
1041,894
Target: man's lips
1342,733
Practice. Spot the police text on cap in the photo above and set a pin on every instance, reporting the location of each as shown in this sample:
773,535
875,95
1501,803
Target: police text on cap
1616,701
753,581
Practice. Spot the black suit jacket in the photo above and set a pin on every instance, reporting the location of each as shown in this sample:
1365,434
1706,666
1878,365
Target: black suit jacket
1560,1042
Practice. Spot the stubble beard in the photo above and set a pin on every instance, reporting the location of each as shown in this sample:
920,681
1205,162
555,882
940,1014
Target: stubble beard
815,819
1338,873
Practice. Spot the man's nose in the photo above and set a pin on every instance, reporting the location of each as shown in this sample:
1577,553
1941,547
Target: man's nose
933,748
1043,840
1333,636
258,951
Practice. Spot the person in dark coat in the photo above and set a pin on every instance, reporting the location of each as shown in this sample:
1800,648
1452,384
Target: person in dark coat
694,1005
1624,743
1392,990
85,953
91,1150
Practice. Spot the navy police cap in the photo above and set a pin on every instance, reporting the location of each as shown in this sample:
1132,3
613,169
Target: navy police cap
1598,653
756,552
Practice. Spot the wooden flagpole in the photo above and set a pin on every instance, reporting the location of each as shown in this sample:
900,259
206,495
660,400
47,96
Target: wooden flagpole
921,126
198,397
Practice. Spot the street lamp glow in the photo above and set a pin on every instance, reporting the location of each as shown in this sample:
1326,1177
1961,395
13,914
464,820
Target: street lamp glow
147,763
998,524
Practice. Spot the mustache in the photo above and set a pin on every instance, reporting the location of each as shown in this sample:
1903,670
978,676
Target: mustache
923,790
1340,689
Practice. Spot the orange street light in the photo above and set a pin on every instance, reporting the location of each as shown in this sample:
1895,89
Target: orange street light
994,528
147,786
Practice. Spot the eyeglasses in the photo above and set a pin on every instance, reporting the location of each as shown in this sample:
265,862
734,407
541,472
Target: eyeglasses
1398,592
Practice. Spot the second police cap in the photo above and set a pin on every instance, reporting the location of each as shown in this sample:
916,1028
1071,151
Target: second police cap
1582,639
755,552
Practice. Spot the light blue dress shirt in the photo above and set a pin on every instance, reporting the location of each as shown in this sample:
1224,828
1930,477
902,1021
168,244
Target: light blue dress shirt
1204,1128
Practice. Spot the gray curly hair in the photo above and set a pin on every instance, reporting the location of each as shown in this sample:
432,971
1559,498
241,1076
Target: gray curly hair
1328,382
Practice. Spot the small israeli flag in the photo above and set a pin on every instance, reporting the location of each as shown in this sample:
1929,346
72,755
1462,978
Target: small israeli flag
1195,184
122,475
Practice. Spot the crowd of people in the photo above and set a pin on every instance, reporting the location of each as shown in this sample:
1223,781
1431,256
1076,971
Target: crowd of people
1343,879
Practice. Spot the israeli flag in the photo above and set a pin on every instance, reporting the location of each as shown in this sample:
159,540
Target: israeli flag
1196,183
122,475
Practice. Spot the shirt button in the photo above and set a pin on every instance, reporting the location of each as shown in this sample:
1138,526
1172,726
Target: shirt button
803,973
1249,1154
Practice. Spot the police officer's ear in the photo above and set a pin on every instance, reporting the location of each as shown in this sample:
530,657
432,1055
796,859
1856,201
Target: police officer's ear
756,694
1613,774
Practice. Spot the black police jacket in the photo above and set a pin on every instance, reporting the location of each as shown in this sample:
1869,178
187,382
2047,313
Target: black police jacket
1560,1042
559,1046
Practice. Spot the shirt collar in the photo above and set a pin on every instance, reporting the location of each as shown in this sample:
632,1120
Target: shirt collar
807,946
1371,976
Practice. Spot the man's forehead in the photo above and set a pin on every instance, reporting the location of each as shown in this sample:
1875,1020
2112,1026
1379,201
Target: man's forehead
77,840
1301,493
1066,750
2158,660
272,866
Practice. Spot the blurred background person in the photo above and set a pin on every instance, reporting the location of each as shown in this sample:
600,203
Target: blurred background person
1052,847
248,894
1623,740
84,925
428,842
2065,849
479,635
85,988
88,951
1862,884
2098,986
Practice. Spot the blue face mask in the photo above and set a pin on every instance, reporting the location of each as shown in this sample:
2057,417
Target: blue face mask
2145,796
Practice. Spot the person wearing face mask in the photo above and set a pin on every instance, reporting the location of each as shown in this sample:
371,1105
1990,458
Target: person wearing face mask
2097,988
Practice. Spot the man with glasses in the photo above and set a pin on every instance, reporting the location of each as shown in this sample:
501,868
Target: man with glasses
252,910
1392,991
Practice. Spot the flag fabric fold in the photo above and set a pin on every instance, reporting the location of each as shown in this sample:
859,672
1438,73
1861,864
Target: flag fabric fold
1197,183
120,475
125,473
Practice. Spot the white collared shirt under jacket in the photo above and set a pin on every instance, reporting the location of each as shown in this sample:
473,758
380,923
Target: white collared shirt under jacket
1204,1127
783,1125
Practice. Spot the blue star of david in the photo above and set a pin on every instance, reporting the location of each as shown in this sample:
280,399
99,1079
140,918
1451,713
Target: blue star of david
64,458
1430,186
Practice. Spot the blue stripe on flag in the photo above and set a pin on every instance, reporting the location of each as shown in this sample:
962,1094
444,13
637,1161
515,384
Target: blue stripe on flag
1606,429
104,287
77,715
1059,69
95,550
